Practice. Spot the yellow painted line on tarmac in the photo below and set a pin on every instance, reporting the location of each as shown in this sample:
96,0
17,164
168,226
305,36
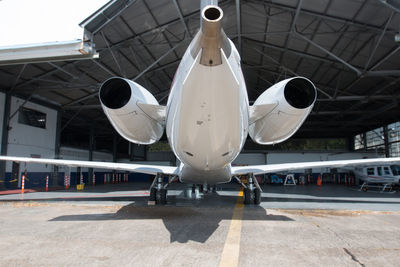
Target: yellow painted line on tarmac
230,254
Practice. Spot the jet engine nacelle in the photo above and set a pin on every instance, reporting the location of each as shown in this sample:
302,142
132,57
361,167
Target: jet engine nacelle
128,106
280,111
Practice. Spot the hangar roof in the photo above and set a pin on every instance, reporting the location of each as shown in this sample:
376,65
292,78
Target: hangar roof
346,47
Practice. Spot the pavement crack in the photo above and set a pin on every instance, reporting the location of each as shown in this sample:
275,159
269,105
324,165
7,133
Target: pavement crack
353,257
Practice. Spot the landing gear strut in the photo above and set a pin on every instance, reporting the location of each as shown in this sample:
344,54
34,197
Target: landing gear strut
207,188
252,191
158,190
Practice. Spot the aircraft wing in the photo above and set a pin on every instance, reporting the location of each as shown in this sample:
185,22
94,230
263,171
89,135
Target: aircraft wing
273,168
140,168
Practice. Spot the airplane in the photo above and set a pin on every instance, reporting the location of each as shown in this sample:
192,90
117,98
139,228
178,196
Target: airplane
207,117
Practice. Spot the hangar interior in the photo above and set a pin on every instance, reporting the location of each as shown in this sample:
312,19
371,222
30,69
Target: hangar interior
348,48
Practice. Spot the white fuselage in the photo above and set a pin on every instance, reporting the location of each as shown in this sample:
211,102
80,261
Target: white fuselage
207,116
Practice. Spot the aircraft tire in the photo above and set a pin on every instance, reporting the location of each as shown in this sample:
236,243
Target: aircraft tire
163,195
257,196
159,197
153,192
246,196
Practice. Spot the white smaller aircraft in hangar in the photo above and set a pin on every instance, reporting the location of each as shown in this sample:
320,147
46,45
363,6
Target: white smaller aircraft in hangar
377,175
207,117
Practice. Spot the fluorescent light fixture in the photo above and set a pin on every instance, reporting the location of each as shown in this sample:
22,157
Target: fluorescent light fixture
397,38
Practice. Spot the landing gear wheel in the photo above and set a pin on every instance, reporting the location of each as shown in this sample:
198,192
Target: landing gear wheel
257,196
214,188
365,189
161,196
158,191
153,192
251,196
246,196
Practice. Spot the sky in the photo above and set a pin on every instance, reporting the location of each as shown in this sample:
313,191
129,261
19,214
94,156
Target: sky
39,21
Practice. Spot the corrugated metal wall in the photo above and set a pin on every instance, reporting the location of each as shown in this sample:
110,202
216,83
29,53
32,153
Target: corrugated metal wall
28,141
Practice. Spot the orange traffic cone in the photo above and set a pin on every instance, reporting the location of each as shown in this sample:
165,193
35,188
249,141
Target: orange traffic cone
319,181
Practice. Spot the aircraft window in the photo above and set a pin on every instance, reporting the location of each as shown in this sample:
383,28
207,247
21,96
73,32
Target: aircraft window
395,169
379,171
370,171
386,169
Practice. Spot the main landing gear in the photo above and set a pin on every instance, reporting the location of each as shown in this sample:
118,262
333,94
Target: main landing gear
207,188
252,190
158,190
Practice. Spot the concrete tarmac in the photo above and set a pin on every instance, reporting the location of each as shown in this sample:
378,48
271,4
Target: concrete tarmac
113,225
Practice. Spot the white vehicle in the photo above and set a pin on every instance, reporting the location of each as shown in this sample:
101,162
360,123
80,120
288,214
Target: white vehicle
207,117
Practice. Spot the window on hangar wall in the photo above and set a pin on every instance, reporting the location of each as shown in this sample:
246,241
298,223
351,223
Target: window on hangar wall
375,139
32,117
394,139
359,142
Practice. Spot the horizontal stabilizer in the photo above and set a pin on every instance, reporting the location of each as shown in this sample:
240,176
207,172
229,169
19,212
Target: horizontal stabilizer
156,112
259,111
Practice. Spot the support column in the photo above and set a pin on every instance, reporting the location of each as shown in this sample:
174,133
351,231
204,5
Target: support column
91,148
78,175
4,136
364,135
145,152
131,151
115,143
54,176
115,148
386,140
350,143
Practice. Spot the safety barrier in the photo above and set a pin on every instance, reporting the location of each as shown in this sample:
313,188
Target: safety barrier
47,183
23,184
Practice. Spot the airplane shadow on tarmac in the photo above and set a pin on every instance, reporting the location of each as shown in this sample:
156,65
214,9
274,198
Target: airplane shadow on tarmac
184,223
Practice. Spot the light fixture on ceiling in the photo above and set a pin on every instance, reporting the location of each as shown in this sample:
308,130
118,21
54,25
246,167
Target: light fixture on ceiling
397,37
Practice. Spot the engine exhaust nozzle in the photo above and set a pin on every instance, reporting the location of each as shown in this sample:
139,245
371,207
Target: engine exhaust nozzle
211,21
212,38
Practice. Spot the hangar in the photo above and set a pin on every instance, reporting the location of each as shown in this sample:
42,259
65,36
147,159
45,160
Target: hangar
49,108
349,49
